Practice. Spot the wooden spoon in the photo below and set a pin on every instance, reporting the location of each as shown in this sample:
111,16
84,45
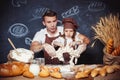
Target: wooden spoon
13,45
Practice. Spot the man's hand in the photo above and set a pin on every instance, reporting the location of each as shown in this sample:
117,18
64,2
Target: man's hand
36,46
49,49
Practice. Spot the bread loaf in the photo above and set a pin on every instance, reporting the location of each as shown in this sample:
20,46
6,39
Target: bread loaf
116,51
11,68
110,46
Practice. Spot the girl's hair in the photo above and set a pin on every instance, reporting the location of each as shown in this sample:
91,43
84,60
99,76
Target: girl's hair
73,37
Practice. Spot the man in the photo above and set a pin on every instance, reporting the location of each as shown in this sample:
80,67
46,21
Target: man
45,36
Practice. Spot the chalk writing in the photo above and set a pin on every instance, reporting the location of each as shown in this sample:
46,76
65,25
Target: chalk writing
28,41
59,23
37,13
73,11
18,30
96,6
18,3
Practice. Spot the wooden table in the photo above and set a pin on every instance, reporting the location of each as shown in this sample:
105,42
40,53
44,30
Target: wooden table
113,76
24,78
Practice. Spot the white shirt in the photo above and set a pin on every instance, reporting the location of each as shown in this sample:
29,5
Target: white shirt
40,36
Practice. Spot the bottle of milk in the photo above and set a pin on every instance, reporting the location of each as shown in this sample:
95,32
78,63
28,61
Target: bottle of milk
34,67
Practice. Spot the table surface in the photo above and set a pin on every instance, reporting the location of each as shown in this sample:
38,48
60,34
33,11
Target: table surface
113,76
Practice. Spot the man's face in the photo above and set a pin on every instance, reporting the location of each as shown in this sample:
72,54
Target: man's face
50,23
68,32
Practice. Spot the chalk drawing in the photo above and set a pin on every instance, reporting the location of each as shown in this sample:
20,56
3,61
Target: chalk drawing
37,13
73,11
18,30
28,41
96,6
59,23
18,3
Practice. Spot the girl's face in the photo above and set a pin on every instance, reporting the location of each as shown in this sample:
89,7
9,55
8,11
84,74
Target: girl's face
68,32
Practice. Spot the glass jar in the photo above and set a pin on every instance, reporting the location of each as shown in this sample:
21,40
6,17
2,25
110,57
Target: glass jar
34,67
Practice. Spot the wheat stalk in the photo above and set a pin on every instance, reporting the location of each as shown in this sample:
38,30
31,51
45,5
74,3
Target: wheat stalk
106,28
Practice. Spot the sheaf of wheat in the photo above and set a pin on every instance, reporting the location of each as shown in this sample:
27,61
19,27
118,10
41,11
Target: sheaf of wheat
108,27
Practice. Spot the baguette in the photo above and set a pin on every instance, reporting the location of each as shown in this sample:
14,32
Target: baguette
110,46
116,51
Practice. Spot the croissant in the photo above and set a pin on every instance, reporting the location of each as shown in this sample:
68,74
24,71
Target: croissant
109,46
116,51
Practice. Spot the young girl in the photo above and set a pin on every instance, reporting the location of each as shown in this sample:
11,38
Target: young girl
70,44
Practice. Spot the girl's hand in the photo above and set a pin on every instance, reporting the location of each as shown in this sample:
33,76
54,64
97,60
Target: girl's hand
74,43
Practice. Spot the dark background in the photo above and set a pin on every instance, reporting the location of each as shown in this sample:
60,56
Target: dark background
21,19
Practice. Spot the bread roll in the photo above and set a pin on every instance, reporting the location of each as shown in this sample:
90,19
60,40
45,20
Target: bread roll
95,72
28,74
88,71
103,71
81,75
56,74
110,69
44,72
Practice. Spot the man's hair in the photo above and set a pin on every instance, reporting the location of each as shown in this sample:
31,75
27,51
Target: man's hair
49,13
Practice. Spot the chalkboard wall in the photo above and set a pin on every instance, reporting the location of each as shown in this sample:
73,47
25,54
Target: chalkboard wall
21,19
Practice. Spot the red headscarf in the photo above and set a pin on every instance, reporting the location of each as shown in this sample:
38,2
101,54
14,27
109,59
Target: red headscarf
69,23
